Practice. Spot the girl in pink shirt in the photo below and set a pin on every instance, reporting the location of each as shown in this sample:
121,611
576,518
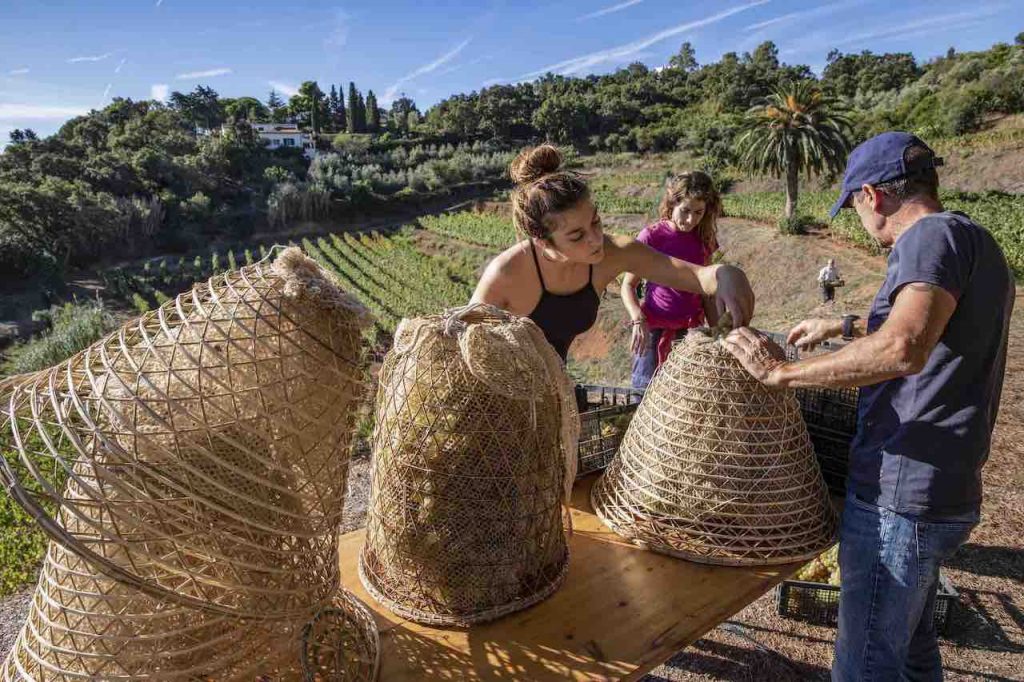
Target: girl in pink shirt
688,231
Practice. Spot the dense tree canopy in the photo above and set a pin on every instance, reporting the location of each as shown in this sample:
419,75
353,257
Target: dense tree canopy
131,176
145,175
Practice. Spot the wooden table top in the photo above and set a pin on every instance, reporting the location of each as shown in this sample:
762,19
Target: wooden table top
621,612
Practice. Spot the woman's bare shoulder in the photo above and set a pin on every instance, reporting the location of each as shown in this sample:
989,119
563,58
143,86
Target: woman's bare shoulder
505,279
511,261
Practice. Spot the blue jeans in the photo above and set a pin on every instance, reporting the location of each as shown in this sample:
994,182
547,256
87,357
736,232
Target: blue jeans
646,363
890,570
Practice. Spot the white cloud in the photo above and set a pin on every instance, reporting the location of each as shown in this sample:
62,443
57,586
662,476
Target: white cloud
493,81
936,24
805,14
463,65
17,72
623,52
159,2
159,92
209,73
609,10
389,94
339,31
106,93
285,88
96,58
14,112
120,64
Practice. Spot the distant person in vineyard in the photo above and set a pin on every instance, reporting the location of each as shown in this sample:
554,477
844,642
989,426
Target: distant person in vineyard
555,275
828,279
931,359
687,230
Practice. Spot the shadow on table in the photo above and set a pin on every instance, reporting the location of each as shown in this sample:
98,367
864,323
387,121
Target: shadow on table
720,661
486,659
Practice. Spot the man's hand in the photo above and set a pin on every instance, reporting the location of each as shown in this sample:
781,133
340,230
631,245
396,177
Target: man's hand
758,354
809,333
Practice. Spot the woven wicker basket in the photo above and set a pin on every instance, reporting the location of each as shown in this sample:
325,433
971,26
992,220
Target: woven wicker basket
83,625
473,454
717,468
191,470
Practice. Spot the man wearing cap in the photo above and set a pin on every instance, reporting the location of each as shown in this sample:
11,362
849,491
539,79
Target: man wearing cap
930,359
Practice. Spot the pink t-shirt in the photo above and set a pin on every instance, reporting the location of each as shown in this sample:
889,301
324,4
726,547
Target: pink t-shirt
663,306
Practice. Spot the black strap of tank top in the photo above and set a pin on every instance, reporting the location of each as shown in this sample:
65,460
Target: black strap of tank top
537,263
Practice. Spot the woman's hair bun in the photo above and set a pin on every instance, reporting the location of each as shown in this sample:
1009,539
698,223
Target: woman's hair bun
535,162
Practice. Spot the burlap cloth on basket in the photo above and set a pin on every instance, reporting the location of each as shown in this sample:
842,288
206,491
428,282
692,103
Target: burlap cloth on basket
473,454
717,468
191,471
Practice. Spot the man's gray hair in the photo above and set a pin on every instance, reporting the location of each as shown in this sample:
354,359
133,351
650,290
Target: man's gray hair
922,182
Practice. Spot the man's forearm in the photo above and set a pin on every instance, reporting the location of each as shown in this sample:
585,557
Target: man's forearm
863,362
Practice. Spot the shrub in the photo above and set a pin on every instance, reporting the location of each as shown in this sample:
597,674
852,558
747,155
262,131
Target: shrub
74,326
140,303
798,224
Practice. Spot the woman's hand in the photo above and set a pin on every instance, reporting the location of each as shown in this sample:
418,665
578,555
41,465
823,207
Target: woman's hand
809,333
732,292
726,283
641,336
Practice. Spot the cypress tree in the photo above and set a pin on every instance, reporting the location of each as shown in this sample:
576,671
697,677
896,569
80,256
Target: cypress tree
340,119
372,113
362,112
353,108
333,103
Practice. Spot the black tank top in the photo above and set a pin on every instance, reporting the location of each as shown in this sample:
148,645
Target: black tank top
563,317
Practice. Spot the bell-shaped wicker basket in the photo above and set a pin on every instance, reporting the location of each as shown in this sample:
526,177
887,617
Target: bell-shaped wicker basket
473,454
191,470
717,468
83,625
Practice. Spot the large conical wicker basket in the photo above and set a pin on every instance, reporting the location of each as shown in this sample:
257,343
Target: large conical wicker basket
473,454
717,468
191,469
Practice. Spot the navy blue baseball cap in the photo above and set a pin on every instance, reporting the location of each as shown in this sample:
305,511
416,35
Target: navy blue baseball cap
880,159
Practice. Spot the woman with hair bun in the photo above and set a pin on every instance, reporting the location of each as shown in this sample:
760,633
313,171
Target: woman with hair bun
555,275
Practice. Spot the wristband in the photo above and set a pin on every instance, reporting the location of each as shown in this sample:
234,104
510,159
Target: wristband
848,321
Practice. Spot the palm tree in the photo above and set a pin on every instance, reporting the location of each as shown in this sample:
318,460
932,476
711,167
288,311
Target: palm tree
797,128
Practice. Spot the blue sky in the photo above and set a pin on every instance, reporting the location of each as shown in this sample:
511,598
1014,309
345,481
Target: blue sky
59,59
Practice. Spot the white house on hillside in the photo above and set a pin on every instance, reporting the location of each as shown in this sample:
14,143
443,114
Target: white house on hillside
278,135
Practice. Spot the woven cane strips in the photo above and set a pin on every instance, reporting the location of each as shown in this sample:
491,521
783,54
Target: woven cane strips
83,625
191,470
717,468
473,454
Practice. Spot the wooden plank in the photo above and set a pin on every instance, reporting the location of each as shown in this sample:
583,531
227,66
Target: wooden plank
621,612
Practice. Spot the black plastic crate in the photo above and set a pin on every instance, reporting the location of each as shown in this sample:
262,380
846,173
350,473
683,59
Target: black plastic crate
832,450
831,418
818,603
608,411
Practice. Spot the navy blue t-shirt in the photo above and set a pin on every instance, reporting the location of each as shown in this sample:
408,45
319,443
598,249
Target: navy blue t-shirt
922,439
